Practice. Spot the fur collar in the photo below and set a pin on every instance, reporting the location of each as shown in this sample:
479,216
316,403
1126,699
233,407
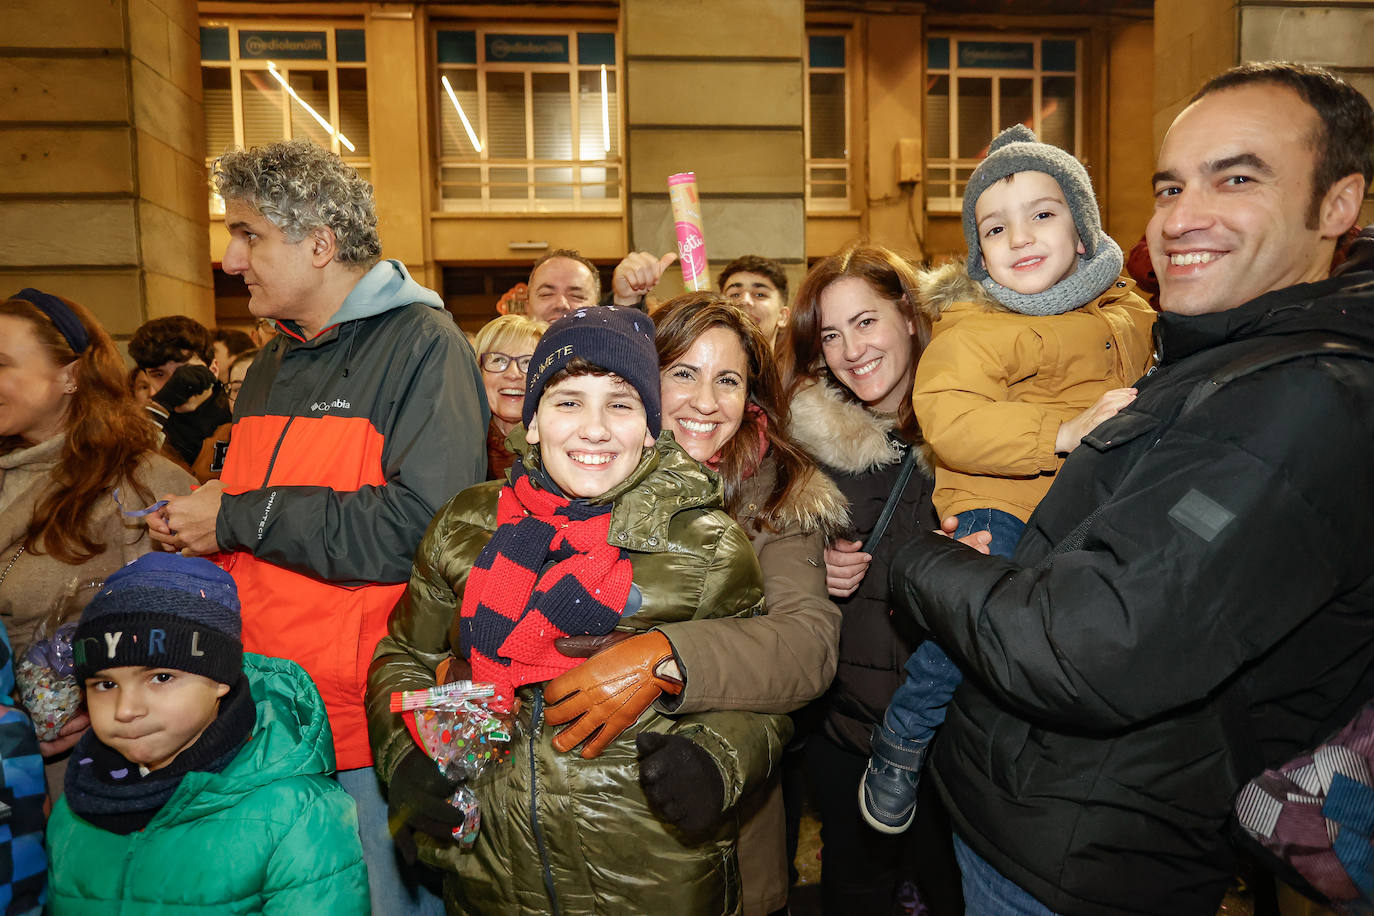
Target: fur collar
815,504
943,286
841,433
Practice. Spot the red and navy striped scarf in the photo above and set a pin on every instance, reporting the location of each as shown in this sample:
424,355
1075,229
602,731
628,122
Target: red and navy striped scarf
547,572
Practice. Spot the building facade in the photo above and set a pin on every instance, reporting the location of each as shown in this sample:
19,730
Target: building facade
495,132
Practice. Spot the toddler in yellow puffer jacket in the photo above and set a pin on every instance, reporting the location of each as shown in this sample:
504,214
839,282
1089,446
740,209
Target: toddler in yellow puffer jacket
1035,341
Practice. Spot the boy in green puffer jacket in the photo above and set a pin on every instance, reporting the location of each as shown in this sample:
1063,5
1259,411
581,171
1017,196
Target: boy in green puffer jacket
604,523
203,784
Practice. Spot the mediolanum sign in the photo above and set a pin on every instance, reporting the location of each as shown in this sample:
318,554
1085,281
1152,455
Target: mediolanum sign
549,49
262,44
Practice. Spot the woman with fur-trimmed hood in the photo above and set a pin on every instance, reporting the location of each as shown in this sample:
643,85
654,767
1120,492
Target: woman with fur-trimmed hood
854,341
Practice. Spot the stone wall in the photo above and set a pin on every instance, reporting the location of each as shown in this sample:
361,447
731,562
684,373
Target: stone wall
704,95
103,195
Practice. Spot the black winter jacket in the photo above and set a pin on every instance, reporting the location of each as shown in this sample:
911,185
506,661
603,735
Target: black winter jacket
863,456
1218,616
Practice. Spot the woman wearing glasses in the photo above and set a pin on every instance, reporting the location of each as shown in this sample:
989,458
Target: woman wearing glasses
504,348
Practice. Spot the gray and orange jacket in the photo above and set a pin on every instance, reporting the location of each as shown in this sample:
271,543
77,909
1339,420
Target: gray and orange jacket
344,447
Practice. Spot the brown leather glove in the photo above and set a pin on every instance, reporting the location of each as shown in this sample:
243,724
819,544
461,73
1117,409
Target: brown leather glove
453,668
608,692
587,646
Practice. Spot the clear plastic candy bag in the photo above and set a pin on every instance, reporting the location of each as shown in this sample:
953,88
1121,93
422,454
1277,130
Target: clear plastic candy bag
465,729
46,678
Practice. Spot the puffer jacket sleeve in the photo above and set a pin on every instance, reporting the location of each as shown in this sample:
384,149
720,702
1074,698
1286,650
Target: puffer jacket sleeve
418,631
1224,537
960,399
435,446
318,866
746,746
770,664
731,581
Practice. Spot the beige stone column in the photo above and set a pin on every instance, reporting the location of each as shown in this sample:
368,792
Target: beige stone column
1338,34
715,87
1194,41
895,93
400,163
103,194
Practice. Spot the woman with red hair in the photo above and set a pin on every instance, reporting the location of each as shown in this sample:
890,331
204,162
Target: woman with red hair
70,435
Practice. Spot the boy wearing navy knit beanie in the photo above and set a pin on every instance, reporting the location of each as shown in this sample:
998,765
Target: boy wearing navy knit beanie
1033,342
604,524
198,755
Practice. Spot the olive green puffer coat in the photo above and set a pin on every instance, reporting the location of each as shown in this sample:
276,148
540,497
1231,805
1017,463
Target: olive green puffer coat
561,834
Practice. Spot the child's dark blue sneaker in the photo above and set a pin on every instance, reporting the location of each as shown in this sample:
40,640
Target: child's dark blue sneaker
887,793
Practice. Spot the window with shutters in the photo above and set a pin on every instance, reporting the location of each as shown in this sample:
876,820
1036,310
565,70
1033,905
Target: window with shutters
978,85
263,83
528,121
828,170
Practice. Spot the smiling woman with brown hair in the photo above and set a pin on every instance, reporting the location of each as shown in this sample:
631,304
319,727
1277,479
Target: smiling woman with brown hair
856,336
70,435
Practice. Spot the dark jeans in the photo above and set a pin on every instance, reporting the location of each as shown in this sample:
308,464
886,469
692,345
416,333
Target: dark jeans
919,705
989,892
861,868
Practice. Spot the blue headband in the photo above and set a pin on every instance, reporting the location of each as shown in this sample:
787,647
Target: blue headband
67,323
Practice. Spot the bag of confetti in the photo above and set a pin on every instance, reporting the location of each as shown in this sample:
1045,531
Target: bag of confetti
465,728
46,677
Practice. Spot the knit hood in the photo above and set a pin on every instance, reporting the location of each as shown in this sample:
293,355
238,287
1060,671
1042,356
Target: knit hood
949,285
18,471
291,738
43,455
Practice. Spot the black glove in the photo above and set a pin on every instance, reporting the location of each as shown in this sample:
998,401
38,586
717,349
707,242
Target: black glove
418,799
681,783
184,384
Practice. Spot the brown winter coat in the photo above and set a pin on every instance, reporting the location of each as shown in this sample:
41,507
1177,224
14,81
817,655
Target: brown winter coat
775,663
993,386
36,584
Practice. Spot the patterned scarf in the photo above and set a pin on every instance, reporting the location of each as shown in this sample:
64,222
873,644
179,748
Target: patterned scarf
116,795
547,572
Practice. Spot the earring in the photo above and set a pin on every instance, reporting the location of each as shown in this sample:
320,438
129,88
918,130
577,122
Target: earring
71,389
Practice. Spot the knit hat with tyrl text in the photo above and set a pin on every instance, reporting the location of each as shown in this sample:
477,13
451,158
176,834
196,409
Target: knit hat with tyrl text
163,611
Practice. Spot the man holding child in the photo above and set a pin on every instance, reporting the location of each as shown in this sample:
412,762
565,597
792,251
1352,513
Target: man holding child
1189,602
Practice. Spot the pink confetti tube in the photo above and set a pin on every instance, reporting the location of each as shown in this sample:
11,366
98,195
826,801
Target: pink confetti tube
691,245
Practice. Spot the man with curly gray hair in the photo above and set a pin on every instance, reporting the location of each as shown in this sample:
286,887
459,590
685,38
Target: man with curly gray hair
356,422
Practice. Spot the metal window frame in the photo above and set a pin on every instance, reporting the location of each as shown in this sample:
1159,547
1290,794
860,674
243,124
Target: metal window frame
829,204
237,65
484,162
951,202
